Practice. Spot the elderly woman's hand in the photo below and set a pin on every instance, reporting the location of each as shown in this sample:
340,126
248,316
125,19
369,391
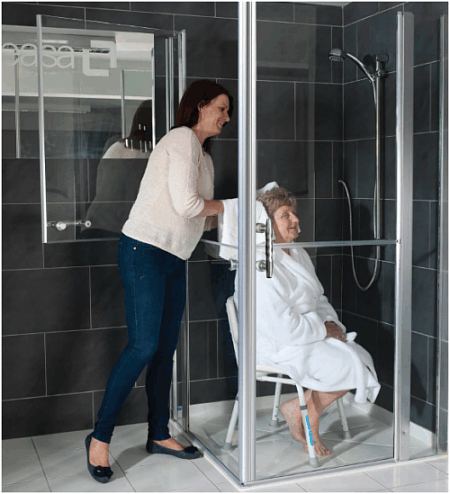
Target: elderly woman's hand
334,331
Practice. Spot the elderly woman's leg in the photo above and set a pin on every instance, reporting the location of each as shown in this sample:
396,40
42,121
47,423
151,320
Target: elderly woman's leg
291,413
316,402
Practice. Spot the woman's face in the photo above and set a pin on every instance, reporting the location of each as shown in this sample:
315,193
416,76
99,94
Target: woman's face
213,116
286,224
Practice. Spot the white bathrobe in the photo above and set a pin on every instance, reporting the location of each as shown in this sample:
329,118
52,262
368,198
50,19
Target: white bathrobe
291,334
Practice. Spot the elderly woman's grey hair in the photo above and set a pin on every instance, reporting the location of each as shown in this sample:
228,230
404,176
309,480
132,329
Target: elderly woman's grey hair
275,198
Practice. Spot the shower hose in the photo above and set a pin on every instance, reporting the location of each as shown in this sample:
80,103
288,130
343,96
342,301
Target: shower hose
377,260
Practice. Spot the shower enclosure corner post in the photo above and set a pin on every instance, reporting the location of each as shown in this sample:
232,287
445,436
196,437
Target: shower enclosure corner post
246,230
403,275
185,391
41,124
442,387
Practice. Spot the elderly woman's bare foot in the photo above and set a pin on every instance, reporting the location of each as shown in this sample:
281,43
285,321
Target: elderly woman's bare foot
291,413
319,448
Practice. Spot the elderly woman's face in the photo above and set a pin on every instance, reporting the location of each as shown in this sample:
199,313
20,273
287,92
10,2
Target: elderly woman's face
285,224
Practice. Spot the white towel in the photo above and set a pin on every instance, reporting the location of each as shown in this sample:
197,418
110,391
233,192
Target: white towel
228,225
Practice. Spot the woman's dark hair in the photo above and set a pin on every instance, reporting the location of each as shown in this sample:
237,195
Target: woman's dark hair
199,93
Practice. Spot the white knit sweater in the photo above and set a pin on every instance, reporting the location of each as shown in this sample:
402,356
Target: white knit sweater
178,177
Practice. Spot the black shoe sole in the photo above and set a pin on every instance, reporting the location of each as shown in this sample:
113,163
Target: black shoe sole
188,453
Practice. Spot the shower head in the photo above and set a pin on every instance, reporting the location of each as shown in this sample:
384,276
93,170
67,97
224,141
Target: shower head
337,55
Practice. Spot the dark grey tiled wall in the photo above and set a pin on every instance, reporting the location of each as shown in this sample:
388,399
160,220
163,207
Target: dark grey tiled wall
369,28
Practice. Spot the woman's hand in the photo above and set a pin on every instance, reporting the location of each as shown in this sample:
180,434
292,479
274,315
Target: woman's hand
212,208
334,331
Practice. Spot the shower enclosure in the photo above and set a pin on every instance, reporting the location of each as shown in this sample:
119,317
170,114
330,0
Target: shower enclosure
305,118
309,123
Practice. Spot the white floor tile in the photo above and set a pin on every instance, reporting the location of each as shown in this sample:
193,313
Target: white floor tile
441,464
20,462
64,443
70,464
211,472
292,487
431,486
352,482
226,487
38,484
402,475
15,448
166,473
83,482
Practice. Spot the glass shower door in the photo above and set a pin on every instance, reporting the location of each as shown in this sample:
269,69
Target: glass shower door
106,96
333,127
313,141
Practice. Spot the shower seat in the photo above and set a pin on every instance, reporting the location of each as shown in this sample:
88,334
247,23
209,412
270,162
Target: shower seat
263,374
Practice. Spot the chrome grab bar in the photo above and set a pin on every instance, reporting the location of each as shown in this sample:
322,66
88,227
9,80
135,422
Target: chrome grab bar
266,265
62,225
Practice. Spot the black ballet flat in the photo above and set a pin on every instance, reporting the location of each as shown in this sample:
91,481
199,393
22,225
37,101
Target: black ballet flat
98,473
188,453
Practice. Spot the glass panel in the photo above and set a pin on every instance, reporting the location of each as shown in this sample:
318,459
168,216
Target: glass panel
213,370
98,126
318,132
429,367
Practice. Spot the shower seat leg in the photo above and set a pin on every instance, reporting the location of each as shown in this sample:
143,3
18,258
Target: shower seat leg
345,429
232,425
276,403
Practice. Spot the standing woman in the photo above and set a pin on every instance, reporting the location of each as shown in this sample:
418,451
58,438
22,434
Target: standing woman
164,226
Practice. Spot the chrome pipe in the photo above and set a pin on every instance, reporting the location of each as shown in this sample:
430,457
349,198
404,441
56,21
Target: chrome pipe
17,108
181,63
358,62
41,124
403,267
171,84
153,97
247,240
313,244
122,103
166,46
377,199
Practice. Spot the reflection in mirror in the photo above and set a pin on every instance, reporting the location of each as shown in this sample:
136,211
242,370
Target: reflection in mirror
118,175
99,121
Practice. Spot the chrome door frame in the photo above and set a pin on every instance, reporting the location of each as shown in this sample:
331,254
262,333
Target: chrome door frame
403,266
247,241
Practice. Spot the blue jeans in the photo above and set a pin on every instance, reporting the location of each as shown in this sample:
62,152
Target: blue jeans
155,292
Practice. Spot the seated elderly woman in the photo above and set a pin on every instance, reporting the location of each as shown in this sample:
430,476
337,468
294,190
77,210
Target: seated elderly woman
299,331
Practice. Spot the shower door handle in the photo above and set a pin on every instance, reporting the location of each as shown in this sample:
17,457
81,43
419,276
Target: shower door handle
266,265
63,224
